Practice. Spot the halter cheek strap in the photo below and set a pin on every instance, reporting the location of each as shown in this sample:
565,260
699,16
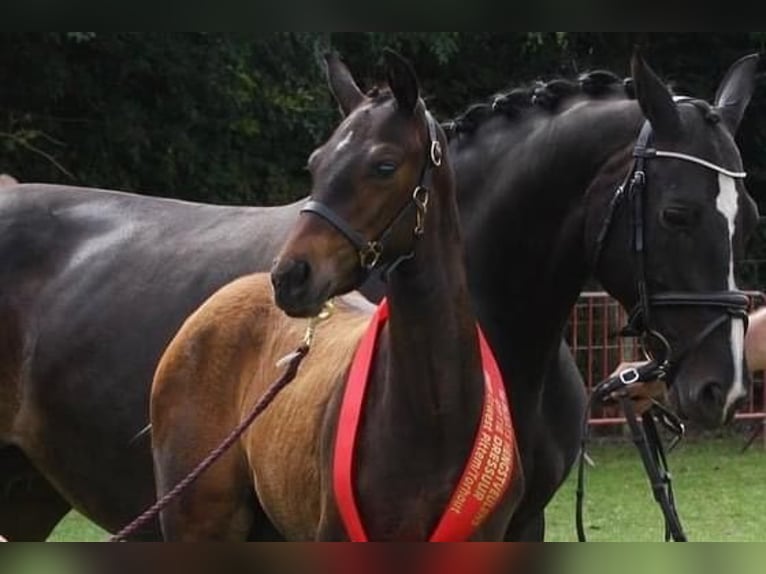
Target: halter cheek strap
371,250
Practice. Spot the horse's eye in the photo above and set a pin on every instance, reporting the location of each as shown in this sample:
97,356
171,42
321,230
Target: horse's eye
385,168
678,217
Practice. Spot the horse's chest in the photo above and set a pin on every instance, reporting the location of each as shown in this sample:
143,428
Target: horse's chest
402,502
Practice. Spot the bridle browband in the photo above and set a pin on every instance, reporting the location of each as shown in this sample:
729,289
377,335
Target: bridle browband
731,305
370,251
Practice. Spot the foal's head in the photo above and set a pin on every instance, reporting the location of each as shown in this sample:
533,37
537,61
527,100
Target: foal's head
693,218
367,206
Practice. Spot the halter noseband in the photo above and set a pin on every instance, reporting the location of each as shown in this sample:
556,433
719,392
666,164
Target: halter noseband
371,250
732,304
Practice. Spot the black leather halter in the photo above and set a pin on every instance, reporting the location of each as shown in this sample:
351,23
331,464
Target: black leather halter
371,250
730,304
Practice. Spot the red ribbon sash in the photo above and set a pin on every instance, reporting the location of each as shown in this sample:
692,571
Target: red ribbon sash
489,469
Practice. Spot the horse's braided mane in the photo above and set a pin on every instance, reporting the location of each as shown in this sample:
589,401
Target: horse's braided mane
545,96
550,97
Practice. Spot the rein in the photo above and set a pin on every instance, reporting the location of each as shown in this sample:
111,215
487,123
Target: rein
647,440
370,251
731,305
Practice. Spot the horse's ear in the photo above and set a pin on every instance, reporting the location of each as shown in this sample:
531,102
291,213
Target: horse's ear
402,81
735,91
655,99
342,84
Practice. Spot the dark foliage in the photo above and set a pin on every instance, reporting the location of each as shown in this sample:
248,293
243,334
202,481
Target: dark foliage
225,117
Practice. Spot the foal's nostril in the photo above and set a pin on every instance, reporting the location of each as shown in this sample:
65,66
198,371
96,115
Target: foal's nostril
290,275
299,272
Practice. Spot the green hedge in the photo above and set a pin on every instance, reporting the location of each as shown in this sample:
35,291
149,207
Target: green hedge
226,117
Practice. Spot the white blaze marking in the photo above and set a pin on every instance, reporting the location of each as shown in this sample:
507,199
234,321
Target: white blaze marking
726,202
345,141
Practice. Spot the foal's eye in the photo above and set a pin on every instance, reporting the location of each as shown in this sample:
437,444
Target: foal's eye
678,217
385,168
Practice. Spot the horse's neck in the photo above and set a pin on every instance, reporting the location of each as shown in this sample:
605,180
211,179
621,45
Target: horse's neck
434,365
524,203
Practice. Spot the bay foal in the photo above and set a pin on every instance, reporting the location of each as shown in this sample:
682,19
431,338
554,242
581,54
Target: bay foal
383,196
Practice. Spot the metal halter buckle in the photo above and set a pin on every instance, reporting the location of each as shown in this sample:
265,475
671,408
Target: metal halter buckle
420,199
370,255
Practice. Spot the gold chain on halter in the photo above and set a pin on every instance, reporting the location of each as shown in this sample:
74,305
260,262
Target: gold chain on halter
323,315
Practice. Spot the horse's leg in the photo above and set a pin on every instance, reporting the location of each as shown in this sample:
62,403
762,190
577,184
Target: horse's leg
530,530
554,441
263,530
30,508
221,504
218,507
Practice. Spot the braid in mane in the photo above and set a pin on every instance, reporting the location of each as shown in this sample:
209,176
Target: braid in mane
546,96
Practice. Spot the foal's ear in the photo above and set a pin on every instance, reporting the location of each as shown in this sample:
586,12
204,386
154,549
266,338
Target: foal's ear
735,91
655,99
402,81
342,84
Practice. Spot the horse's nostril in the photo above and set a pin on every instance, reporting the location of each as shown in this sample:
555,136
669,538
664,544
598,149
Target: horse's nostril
299,272
712,394
290,275
739,403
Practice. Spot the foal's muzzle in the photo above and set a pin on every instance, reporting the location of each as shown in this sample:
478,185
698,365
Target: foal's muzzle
294,290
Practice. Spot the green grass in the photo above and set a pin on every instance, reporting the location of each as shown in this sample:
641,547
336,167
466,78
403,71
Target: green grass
719,494
719,491
77,528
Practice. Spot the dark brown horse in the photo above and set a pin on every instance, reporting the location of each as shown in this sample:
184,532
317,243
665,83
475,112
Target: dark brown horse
381,176
94,284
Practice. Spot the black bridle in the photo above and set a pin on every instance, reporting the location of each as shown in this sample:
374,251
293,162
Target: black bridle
732,304
370,251
663,364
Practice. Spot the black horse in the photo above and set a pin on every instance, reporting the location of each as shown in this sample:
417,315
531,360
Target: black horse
94,285
538,171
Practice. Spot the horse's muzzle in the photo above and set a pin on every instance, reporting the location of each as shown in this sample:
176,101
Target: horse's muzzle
294,291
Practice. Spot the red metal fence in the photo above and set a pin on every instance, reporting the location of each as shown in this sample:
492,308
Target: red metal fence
592,334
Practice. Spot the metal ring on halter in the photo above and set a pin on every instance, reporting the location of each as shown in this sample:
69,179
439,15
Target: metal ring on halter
420,199
436,153
370,255
646,350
